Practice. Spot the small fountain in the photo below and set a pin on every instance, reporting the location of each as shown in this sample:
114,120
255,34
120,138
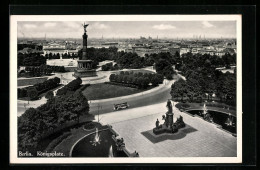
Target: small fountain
111,154
205,110
96,139
206,115
229,121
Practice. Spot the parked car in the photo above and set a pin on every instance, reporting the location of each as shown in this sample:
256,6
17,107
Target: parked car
121,106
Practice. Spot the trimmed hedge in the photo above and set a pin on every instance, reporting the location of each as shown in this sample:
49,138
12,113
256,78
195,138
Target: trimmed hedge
139,79
39,87
71,86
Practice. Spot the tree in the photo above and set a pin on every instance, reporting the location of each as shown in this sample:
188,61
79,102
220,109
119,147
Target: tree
130,79
139,81
120,78
32,93
112,77
164,67
160,78
125,78
155,80
62,91
56,80
145,82
105,68
49,95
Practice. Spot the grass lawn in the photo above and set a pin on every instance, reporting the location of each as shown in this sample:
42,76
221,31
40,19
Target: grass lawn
31,81
105,91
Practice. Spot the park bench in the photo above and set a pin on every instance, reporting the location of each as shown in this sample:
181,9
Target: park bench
121,106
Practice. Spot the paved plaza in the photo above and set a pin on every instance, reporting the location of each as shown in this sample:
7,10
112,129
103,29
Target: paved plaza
200,139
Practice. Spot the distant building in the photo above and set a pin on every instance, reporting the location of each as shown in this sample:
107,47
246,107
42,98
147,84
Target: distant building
173,50
55,48
184,50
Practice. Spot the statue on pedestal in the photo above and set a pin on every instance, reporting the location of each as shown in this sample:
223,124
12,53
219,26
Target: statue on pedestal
169,114
169,106
168,126
85,27
157,124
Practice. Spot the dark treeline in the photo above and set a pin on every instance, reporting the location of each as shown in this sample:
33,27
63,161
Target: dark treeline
191,61
202,78
109,67
57,56
32,46
32,59
58,111
37,71
139,79
34,91
126,60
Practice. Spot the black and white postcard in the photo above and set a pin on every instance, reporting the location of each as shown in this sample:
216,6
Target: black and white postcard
125,89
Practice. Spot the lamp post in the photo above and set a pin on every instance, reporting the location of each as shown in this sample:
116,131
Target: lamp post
99,107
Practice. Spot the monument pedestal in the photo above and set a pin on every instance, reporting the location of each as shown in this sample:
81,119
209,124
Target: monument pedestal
85,69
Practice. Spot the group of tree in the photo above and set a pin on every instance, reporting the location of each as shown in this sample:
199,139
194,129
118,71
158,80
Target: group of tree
34,91
203,80
129,60
31,59
32,46
109,67
43,70
70,87
57,56
152,59
190,61
165,68
139,79
55,112
99,54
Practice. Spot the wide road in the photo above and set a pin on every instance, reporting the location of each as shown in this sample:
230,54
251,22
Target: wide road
159,96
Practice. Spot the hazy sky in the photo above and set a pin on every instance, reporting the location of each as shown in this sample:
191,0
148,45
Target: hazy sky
127,29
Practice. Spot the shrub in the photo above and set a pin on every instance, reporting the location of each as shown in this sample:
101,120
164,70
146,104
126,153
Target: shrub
112,77
32,93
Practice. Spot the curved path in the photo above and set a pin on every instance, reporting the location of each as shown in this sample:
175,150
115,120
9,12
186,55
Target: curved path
135,100
153,96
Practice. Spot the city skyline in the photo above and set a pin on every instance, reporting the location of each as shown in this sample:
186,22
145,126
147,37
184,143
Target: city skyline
127,29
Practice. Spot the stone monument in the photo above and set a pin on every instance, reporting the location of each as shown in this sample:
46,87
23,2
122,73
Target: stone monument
168,126
85,66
